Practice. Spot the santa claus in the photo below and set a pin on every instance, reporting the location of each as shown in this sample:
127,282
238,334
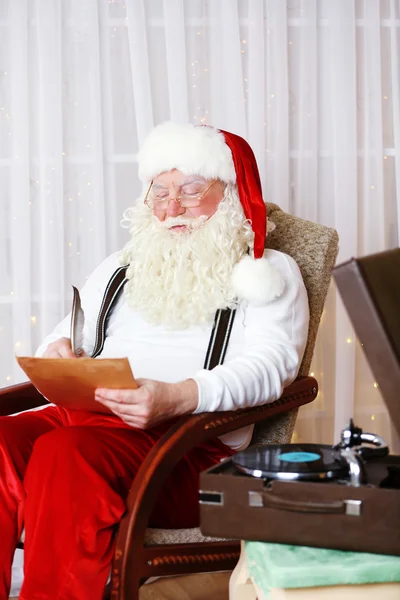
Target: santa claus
197,236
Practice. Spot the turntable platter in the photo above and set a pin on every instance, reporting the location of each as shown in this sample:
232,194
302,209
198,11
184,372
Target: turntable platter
292,462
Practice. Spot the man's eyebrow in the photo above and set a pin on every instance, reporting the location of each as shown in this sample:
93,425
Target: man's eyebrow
193,179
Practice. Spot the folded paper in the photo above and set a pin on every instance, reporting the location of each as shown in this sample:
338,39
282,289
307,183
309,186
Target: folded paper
71,382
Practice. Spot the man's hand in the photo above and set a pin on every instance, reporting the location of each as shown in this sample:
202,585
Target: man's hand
61,349
151,403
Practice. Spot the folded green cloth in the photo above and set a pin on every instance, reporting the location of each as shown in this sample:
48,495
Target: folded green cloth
283,566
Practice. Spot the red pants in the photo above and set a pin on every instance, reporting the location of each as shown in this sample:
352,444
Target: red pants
65,476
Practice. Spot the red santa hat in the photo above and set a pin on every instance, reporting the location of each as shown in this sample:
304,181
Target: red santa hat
218,154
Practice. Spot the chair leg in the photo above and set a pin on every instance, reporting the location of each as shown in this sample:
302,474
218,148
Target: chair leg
125,588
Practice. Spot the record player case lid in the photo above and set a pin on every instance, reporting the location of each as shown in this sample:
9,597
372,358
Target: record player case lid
370,290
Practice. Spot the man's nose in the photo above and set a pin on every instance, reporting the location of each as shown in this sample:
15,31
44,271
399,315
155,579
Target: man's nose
174,208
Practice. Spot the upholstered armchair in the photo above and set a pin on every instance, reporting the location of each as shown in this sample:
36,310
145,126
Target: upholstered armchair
141,552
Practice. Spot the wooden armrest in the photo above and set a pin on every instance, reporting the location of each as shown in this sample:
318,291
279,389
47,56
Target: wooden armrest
184,435
16,398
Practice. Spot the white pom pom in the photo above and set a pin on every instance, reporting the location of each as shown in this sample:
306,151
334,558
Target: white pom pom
256,281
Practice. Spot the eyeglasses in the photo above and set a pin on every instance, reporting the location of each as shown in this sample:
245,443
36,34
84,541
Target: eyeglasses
161,202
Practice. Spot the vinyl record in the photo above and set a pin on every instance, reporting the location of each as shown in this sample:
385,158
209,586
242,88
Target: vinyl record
292,461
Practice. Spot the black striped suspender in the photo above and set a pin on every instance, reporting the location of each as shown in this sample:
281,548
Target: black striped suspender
219,338
220,333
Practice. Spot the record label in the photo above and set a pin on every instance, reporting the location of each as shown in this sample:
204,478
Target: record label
299,456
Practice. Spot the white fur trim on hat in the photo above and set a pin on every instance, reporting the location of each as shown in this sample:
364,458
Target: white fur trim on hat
257,281
194,150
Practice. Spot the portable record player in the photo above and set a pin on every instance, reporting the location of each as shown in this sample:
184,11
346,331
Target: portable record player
344,463
345,496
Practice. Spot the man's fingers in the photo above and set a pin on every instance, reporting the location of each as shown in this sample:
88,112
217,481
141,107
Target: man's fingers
59,349
52,354
125,411
59,353
66,352
116,396
129,414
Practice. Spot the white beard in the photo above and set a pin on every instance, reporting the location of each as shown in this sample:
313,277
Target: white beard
179,279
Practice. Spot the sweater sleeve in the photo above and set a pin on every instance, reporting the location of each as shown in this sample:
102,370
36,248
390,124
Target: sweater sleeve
275,340
91,297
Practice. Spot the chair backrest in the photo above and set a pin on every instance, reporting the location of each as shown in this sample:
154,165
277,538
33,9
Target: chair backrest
314,247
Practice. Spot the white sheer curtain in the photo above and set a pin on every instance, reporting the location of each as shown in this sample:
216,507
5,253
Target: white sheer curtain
313,85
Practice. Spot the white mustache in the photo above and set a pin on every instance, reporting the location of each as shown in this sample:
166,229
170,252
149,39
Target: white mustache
191,224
